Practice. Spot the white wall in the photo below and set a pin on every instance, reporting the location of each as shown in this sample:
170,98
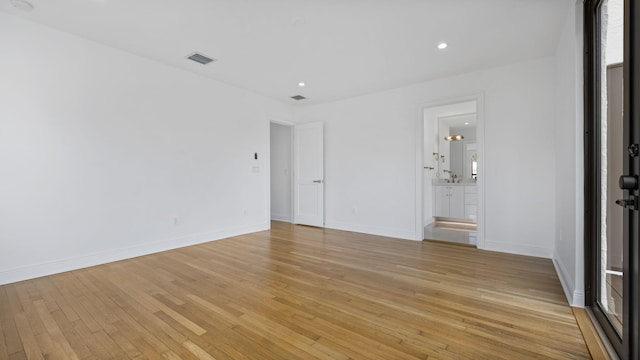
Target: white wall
569,178
614,41
370,156
281,172
444,150
101,150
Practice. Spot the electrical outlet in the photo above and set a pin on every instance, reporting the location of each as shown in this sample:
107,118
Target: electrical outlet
175,220
354,210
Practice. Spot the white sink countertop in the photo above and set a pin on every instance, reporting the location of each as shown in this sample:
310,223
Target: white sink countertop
460,183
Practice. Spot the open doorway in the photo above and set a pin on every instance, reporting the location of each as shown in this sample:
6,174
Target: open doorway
280,169
451,170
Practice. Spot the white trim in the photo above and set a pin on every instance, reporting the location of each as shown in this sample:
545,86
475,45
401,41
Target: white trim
526,250
79,262
294,154
281,217
579,293
283,122
419,187
578,299
374,230
565,280
268,171
480,129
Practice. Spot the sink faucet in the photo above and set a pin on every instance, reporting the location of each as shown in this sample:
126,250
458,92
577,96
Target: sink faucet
452,175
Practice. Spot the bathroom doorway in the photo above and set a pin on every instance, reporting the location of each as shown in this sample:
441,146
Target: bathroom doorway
281,160
451,171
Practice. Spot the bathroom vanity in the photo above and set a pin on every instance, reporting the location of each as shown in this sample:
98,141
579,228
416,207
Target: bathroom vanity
457,201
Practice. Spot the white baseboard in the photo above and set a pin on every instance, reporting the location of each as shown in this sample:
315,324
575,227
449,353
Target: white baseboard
578,299
518,249
278,217
62,265
565,280
374,230
574,297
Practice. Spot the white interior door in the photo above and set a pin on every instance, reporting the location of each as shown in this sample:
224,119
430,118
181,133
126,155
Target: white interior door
309,174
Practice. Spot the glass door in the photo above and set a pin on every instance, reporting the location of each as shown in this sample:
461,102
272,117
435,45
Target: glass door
612,164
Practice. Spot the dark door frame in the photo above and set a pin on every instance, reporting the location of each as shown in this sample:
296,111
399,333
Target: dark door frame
632,114
627,346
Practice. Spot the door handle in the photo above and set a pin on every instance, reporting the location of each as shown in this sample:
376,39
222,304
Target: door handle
317,181
627,203
628,182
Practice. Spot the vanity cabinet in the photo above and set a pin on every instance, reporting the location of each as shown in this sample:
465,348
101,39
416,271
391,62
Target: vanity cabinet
471,203
449,201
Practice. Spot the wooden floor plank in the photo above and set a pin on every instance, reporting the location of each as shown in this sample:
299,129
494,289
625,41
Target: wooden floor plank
596,347
32,349
297,292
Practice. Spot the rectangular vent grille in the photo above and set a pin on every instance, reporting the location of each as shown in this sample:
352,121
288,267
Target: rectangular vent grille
298,97
199,58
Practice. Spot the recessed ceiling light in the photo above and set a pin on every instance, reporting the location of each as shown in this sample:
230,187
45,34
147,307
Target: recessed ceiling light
301,84
442,45
466,123
23,5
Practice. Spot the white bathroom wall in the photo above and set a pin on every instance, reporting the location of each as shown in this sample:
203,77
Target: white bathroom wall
444,150
281,172
105,155
371,164
615,32
568,255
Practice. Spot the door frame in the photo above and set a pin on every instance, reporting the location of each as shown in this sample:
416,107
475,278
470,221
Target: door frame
628,346
419,139
632,111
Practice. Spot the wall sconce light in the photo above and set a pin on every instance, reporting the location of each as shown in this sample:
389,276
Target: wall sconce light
454,137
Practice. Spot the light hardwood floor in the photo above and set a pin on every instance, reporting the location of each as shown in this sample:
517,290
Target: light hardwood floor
296,292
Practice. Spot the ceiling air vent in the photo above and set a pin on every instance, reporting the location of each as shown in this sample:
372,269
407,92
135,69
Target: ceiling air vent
201,59
298,97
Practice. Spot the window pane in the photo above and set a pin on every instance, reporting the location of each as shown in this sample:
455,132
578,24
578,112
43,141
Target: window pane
611,16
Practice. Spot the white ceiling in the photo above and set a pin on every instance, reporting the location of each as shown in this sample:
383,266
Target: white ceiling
339,48
459,121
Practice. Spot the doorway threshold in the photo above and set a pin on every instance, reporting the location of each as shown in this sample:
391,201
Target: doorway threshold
463,233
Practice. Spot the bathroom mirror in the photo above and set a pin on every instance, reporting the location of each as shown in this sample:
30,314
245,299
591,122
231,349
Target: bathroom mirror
458,159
